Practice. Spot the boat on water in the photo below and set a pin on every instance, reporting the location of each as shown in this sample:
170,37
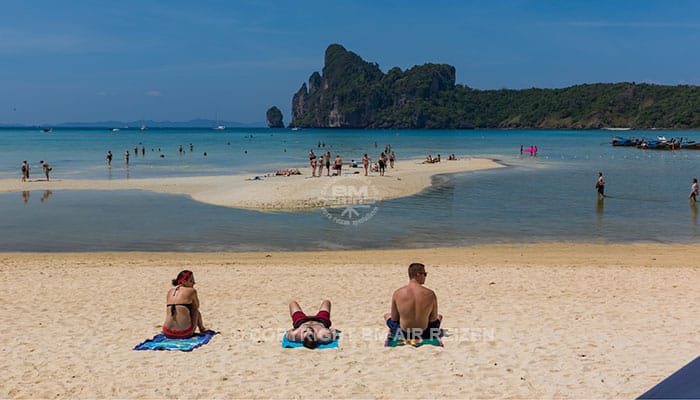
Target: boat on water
664,144
47,130
621,141
114,130
218,126
143,128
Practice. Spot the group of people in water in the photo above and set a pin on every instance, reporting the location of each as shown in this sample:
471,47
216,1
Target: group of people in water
532,150
414,313
127,155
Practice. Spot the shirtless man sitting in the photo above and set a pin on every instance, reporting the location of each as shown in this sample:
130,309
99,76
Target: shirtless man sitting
414,308
311,330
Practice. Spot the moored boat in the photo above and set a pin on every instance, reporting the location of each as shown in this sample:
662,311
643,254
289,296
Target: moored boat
620,141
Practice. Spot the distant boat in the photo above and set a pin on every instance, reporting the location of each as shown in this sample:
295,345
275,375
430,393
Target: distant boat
47,130
295,128
114,129
218,126
143,128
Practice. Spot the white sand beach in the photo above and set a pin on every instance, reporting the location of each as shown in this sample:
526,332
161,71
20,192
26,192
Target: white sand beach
273,192
531,321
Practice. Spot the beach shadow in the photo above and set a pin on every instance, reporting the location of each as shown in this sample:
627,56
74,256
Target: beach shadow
25,196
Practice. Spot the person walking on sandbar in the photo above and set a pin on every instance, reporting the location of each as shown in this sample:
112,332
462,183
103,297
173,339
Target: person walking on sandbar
25,171
47,169
338,165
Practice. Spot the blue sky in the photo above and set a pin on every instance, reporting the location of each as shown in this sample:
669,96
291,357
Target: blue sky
178,60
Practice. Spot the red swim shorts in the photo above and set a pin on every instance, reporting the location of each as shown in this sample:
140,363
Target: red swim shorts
323,317
173,334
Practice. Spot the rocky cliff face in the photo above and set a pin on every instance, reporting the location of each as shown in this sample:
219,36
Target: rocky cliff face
274,118
352,92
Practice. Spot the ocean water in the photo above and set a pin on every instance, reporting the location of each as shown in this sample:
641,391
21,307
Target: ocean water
544,199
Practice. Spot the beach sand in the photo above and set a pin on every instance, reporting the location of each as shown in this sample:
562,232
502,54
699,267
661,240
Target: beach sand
530,321
274,192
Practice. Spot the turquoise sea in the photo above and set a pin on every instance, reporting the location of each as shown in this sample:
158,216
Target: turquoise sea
544,199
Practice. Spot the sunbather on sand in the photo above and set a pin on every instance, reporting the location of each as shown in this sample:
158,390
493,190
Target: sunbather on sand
311,330
182,306
288,172
414,308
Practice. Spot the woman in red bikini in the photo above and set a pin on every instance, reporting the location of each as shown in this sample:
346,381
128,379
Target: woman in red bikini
182,306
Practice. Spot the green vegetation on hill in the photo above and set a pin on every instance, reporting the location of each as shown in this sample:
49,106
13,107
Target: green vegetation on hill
353,93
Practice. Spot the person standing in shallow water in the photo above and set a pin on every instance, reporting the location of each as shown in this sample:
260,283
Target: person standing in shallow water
109,158
694,190
600,185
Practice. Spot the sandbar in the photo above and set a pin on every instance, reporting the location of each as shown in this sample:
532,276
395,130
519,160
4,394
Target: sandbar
295,192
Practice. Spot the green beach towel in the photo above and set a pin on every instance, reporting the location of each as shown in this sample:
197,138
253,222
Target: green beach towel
400,341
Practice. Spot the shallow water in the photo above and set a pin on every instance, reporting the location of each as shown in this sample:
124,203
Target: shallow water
548,198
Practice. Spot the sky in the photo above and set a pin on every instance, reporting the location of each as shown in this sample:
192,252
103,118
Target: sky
84,61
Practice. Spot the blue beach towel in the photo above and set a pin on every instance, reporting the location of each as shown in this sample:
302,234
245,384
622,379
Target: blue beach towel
160,342
683,384
286,344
